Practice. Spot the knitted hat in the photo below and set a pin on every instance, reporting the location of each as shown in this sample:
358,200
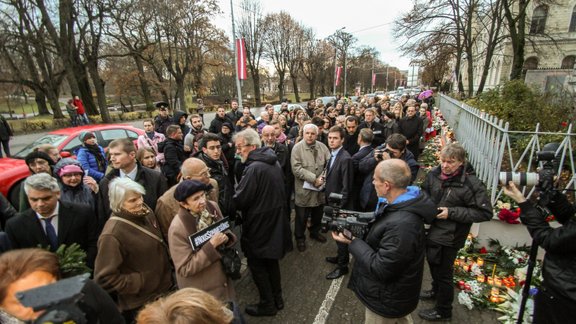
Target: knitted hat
227,124
70,168
187,188
85,136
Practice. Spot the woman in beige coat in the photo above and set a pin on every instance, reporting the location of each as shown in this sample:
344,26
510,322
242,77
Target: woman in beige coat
200,268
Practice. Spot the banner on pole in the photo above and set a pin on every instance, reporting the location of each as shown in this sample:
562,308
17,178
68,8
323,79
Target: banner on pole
241,57
373,79
338,72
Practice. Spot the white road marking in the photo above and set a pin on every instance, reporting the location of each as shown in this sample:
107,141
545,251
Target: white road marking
328,301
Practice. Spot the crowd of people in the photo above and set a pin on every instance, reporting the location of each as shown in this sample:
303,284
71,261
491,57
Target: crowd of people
133,208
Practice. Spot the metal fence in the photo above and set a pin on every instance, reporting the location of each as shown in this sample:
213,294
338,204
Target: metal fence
489,140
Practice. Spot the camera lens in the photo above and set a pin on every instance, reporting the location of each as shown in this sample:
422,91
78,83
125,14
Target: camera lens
519,178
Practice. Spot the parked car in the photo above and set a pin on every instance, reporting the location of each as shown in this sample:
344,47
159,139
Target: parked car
326,100
14,169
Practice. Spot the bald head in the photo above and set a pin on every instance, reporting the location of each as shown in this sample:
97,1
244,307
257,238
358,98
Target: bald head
395,171
269,135
195,169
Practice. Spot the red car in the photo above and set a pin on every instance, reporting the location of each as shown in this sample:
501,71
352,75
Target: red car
14,169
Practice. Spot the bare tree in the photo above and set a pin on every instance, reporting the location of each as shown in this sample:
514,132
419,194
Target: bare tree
342,41
316,62
279,28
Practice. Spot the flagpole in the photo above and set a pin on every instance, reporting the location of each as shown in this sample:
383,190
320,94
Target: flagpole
238,87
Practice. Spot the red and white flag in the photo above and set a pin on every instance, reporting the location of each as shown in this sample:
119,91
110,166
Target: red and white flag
338,72
241,57
373,79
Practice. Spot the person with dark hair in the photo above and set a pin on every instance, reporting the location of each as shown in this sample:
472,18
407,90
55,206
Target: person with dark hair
72,112
228,149
91,156
174,154
394,148
265,229
133,260
147,158
322,137
162,120
390,124
27,269
351,139
461,200
365,137
411,127
234,114
376,127
339,180
219,119
180,119
211,153
37,162
5,135
151,139
123,160
200,268
51,222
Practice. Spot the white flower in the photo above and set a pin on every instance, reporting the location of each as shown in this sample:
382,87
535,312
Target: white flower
464,299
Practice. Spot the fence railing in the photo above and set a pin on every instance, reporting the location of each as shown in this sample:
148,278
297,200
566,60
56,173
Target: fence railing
489,140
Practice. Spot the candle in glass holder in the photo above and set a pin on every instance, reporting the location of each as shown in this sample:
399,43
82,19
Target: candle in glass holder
456,262
494,299
498,282
480,261
490,281
494,291
462,261
481,278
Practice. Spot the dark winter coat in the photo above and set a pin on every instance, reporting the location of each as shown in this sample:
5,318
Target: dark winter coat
7,211
467,202
378,130
412,129
559,268
160,124
174,156
5,129
389,263
216,124
177,115
265,229
226,189
81,194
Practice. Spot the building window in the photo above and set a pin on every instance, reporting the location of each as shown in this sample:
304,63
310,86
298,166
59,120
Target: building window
539,20
573,21
531,63
568,62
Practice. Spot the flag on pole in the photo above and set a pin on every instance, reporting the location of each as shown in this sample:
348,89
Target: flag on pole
241,57
373,79
338,72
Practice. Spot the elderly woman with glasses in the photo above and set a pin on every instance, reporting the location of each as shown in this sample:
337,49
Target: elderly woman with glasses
75,186
132,259
199,268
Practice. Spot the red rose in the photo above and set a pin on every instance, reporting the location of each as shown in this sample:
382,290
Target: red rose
483,250
509,216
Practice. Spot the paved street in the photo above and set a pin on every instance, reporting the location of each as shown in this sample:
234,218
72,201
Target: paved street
310,298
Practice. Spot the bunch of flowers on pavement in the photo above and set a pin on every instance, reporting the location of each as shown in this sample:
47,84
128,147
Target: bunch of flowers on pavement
493,277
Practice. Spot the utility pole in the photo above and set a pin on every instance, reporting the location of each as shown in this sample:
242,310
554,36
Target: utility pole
238,86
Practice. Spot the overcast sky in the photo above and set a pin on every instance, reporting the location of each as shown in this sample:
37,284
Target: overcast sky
370,21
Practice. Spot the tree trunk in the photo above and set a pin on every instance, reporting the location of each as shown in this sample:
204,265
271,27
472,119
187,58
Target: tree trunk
257,94
295,85
181,93
144,83
311,88
100,91
281,86
40,99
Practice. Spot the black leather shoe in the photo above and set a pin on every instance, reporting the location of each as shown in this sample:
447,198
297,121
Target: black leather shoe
301,245
333,260
318,237
427,294
260,310
432,315
279,302
337,273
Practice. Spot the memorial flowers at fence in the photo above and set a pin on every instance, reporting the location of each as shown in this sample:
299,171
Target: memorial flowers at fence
507,211
493,277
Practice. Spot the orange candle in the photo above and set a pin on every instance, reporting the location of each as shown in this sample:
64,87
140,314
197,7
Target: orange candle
498,282
490,281
481,278
480,261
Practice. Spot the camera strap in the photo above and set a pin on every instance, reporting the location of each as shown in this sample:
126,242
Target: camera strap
143,230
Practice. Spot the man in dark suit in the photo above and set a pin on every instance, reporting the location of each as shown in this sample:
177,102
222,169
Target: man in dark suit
365,137
377,128
339,179
123,159
51,222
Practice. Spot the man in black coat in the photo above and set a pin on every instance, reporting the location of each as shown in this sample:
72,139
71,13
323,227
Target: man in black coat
351,140
5,135
265,229
389,261
377,128
412,127
123,159
365,137
269,139
339,180
51,222
234,114
162,120
219,119
174,154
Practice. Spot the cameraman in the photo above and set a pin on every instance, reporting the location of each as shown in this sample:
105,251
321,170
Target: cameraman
394,148
555,302
389,262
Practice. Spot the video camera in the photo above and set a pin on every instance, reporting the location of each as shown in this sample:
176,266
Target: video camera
348,222
58,300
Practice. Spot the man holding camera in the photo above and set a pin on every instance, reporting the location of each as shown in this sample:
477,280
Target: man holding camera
555,301
389,261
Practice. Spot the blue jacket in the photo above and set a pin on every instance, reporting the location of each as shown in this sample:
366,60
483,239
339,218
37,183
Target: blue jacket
89,162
